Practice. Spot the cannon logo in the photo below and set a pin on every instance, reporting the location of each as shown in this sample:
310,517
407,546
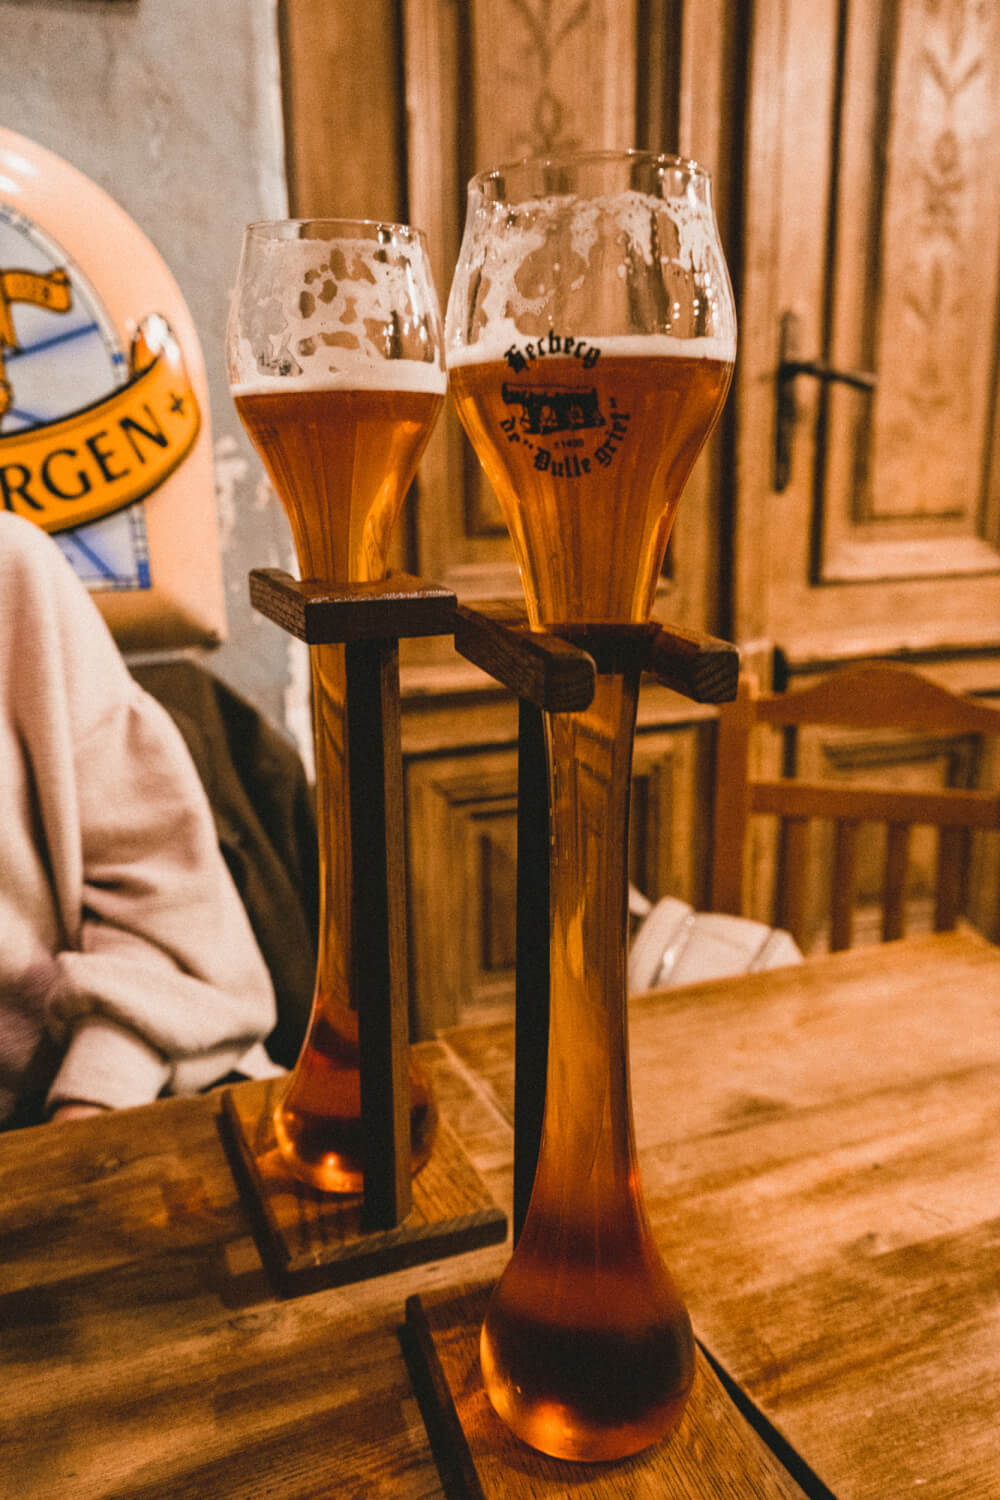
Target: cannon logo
108,454
554,408
563,425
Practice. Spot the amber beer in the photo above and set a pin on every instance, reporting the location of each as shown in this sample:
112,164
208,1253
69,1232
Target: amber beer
341,458
588,455
586,1350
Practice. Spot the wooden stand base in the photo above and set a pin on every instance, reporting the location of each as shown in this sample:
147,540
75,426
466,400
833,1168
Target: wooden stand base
714,1453
310,1240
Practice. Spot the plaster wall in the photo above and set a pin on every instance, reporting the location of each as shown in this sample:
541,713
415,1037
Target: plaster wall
173,107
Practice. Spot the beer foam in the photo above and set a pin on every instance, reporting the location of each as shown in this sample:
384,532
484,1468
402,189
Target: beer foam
544,263
491,350
381,375
335,314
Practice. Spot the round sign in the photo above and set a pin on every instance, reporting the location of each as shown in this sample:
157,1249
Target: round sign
104,433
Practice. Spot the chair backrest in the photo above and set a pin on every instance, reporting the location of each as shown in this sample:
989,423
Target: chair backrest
864,698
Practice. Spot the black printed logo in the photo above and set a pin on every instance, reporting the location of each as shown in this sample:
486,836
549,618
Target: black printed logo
566,418
554,408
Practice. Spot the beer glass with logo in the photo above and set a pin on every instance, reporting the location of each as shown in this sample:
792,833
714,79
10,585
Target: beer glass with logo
590,339
336,367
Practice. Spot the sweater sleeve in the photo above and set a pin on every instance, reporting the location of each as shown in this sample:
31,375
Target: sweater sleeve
165,984
155,977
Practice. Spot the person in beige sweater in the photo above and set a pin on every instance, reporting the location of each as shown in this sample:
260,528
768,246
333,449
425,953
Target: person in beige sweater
128,967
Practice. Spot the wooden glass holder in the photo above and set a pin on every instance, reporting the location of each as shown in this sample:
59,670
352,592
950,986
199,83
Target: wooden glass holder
555,672
307,1238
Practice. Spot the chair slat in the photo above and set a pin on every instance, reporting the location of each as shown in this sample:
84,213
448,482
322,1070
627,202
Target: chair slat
951,876
894,882
791,883
731,807
830,799
843,893
872,697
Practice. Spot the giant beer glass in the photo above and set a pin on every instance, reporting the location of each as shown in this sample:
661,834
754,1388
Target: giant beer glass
336,368
590,340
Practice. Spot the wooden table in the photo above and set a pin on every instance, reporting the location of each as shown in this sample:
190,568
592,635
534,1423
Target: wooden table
821,1156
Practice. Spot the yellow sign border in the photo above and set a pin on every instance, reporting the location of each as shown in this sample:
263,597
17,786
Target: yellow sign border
116,451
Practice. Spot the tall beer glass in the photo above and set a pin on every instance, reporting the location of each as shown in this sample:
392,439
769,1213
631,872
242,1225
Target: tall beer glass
590,339
336,368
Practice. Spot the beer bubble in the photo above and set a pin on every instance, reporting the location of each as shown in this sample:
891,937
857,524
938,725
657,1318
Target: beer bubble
535,264
355,313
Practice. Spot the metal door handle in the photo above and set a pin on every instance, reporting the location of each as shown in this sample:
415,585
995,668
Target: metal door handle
789,366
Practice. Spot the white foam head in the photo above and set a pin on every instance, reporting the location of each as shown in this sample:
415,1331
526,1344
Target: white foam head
632,271
335,312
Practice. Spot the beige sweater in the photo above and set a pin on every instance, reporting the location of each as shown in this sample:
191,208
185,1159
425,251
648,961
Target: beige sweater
127,963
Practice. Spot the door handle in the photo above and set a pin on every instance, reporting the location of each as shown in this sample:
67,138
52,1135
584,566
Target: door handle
790,366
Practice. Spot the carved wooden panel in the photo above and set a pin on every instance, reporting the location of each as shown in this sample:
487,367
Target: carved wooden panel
489,82
461,833
872,197
342,107
917,202
462,847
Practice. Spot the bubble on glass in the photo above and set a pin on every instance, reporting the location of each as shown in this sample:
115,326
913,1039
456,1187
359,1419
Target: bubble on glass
350,312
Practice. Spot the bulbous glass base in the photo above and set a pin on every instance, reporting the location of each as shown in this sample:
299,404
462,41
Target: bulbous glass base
587,1357
318,1122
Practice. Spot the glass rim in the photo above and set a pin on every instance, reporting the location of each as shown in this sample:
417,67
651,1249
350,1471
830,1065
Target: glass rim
271,228
666,159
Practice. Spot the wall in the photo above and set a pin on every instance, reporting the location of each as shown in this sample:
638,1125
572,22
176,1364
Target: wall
174,109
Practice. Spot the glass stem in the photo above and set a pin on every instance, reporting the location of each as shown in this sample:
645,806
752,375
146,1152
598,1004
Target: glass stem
587,1137
587,1350
318,1122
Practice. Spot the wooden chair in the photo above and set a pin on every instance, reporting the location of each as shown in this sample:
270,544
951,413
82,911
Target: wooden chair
867,699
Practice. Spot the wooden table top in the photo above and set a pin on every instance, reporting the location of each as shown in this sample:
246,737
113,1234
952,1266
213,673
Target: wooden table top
820,1152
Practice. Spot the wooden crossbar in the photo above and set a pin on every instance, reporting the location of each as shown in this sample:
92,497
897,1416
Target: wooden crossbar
803,799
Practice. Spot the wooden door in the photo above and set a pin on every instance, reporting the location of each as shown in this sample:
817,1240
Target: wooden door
391,105
872,224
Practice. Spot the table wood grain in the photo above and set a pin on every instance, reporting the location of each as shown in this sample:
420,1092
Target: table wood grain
820,1150
711,1455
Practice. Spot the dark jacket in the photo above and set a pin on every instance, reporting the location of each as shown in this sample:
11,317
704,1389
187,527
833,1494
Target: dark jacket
264,817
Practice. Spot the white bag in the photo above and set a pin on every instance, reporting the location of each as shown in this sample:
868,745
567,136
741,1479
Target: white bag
677,945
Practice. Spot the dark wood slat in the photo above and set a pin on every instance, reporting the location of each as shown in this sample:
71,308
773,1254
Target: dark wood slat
952,874
533,665
437,1406
845,880
546,670
731,802
699,666
894,881
791,887
320,613
804,799
377,823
